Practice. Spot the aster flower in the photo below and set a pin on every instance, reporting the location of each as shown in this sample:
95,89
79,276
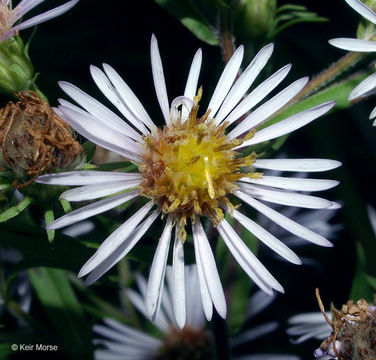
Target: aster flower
192,341
189,169
9,16
368,85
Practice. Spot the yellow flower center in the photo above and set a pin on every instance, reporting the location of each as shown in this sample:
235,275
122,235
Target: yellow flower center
190,167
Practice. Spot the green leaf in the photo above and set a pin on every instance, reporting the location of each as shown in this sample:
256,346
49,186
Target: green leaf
49,218
89,150
64,310
194,16
66,205
360,288
5,350
66,252
124,166
15,210
371,280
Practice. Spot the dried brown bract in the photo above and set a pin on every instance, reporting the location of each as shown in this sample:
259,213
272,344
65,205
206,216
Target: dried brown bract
34,139
354,331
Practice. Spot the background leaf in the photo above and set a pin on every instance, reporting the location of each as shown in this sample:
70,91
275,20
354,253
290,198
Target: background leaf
64,310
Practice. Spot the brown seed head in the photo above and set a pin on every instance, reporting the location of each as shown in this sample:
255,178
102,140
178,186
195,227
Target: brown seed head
34,139
354,327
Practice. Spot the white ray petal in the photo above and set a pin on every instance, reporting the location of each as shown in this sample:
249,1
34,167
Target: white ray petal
122,333
354,44
112,94
265,357
178,282
24,6
312,317
244,82
90,192
364,87
91,210
206,300
115,239
98,110
283,221
257,303
306,165
247,260
139,302
159,79
288,125
195,312
372,115
363,10
122,250
254,333
87,126
128,97
85,177
372,217
268,239
269,108
157,271
285,197
213,282
167,307
50,14
192,81
114,351
226,80
291,183
258,94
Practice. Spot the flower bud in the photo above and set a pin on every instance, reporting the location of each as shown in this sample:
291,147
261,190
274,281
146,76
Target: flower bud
16,69
255,18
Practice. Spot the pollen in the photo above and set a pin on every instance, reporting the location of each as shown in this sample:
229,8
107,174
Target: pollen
190,167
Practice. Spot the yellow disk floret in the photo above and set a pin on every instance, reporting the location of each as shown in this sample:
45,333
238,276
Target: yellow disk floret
190,167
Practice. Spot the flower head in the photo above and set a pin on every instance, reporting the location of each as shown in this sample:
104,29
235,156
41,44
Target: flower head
34,139
191,170
193,341
363,45
9,16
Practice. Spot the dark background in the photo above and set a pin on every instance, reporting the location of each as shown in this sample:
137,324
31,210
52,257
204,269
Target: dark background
118,33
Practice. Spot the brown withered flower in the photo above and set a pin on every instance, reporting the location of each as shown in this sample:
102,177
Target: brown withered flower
354,332
34,139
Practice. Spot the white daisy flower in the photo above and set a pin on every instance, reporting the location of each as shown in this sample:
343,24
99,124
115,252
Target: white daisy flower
368,85
9,15
189,170
122,341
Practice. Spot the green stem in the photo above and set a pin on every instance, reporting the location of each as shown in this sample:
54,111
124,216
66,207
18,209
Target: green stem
226,38
331,73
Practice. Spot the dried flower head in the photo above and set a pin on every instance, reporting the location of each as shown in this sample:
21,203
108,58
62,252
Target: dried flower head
354,332
34,139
